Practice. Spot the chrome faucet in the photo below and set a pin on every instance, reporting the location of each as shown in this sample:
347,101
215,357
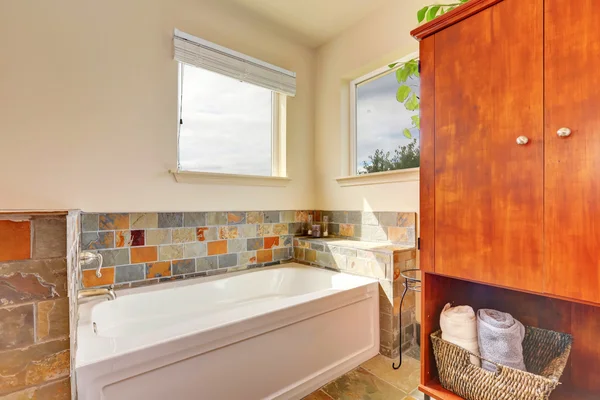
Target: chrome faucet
87,293
87,257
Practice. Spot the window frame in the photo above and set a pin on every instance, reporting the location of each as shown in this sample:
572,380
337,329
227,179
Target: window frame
278,175
353,177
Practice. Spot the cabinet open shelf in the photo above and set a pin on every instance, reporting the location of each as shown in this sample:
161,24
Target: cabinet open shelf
579,380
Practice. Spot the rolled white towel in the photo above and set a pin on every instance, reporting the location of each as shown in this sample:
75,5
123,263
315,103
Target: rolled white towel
459,326
500,339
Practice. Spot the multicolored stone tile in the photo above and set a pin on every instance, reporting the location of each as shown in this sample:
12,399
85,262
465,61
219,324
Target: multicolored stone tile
89,278
287,216
57,390
271,217
32,280
301,216
184,235
217,247
388,218
112,257
194,250
180,267
216,218
360,384
271,241
158,269
310,255
228,260
206,233
207,263
170,252
254,217
246,231
194,219
49,237
236,218
236,245
52,319
406,378
98,240
129,238
113,221
286,240
247,257
318,395
170,220
89,222
34,365
129,273
17,326
264,256
264,230
154,237
143,220
346,230
144,254
398,234
228,232
255,244
280,229
407,220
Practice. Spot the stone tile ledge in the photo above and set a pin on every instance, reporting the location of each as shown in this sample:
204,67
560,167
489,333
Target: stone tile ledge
342,242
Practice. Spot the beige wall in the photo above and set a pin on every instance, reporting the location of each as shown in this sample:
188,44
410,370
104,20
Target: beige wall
376,41
88,105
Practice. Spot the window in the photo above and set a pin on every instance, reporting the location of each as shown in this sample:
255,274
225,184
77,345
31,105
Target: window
226,124
232,111
385,119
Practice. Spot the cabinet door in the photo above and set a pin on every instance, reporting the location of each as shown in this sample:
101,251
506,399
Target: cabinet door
488,188
572,175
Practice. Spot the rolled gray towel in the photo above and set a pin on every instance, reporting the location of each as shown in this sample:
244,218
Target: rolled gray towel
500,338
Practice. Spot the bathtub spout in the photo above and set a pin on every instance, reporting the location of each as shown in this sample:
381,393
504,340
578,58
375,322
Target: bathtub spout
87,293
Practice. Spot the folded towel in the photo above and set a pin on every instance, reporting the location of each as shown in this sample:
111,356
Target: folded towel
500,339
459,326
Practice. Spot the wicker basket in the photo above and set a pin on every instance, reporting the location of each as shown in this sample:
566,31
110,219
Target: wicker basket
545,352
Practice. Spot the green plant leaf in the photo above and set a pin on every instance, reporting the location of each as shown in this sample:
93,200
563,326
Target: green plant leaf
392,65
402,73
402,93
432,13
416,120
421,14
412,104
407,133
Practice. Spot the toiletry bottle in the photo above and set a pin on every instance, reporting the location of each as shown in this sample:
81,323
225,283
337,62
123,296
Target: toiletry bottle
310,222
325,226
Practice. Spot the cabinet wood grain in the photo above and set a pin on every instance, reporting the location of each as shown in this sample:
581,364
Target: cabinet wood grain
489,189
572,164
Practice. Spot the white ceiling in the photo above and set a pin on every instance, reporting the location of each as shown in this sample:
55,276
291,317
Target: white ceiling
315,21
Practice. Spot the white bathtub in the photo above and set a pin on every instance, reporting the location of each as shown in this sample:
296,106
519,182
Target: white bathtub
276,333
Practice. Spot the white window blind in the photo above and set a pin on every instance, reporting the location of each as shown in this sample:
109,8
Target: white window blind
204,54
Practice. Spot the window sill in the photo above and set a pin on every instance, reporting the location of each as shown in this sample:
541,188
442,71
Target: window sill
210,178
376,178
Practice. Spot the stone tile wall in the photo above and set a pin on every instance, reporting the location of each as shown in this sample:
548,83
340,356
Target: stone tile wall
34,308
392,226
382,262
147,248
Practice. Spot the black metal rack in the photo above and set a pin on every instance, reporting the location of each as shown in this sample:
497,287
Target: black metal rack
412,281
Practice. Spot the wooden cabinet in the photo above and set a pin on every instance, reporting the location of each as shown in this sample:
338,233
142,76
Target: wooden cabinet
488,188
510,173
572,163
523,216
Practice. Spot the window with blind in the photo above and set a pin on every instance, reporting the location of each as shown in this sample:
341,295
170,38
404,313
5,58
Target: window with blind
232,110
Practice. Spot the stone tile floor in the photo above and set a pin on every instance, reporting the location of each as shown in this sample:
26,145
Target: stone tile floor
376,380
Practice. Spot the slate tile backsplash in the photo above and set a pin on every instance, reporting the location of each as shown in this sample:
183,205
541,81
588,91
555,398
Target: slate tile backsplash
160,246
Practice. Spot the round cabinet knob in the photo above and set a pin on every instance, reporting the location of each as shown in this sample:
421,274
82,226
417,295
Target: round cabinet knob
563,132
522,140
